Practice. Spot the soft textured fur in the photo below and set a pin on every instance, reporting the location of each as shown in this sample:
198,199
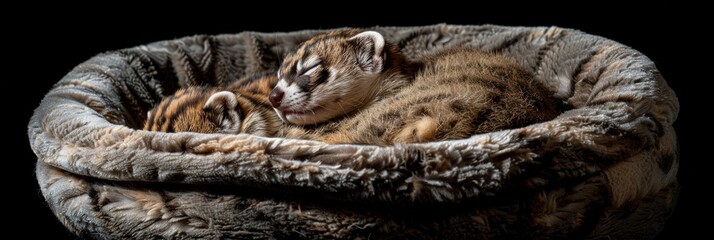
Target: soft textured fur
457,93
604,168
241,107
337,74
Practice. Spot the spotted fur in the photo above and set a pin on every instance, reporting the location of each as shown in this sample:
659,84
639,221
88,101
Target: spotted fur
451,94
454,94
457,93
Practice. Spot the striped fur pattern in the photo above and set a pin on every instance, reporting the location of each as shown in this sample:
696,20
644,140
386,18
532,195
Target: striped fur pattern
455,93
605,169
337,74
239,108
451,94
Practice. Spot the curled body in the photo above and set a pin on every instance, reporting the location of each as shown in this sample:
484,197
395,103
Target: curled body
457,93
373,94
242,107
352,86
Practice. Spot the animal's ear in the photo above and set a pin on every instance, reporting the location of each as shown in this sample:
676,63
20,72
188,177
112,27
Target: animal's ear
224,107
370,45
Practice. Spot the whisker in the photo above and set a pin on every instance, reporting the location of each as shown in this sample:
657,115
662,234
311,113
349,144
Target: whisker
342,108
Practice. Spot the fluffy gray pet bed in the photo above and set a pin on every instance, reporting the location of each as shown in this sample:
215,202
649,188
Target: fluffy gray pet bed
606,167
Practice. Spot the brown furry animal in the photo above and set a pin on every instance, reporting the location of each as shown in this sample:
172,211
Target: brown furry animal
377,96
451,94
338,73
458,93
242,107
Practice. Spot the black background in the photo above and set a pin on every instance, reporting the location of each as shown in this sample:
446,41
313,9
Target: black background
43,48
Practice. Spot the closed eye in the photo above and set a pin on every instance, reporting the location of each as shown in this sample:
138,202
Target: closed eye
311,69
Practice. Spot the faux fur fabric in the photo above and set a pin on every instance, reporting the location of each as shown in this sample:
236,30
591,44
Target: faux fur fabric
605,168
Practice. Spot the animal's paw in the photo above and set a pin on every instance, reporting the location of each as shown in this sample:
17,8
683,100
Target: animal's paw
422,130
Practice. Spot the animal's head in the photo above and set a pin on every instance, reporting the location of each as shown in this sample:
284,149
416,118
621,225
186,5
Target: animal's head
197,109
330,75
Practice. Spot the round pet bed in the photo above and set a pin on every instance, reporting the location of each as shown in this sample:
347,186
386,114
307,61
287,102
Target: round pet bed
606,167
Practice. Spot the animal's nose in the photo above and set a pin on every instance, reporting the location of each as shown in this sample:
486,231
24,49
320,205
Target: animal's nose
276,96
